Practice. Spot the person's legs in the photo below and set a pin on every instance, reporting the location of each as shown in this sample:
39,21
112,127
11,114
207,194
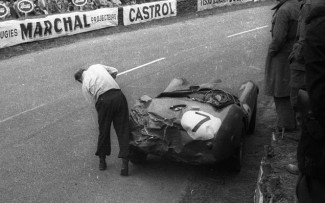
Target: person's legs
121,126
285,113
104,140
294,97
297,82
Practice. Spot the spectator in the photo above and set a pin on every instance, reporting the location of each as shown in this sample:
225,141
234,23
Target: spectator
311,147
53,6
103,3
277,73
15,6
42,4
90,5
297,67
297,70
116,3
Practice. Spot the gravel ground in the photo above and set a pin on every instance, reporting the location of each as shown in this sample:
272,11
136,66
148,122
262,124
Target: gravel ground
278,184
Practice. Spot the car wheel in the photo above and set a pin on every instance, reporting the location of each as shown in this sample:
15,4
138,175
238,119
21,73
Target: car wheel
237,158
137,156
252,123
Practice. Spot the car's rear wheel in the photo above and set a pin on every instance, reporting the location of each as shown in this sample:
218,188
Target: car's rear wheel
137,156
252,123
237,158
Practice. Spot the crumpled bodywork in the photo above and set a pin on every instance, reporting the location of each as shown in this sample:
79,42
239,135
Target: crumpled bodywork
159,126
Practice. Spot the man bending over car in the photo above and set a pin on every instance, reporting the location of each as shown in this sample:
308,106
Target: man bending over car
100,89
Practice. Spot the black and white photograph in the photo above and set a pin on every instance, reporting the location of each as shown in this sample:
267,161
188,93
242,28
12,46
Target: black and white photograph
162,101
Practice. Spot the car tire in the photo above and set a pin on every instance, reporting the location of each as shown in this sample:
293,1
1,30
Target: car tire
137,157
237,158
252,123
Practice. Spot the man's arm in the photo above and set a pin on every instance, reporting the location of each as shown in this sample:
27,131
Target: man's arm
280,31
89,98
111,70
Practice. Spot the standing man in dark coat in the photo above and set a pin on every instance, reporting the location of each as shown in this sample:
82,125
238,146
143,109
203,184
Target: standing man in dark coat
297,70
277,72
297,62
311,147
100,89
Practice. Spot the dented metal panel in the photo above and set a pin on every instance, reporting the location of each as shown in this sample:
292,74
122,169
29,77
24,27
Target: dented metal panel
191,124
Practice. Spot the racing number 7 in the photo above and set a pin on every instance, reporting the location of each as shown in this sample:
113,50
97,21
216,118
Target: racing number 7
206,118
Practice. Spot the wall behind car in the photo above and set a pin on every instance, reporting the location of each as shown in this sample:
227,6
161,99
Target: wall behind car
30,29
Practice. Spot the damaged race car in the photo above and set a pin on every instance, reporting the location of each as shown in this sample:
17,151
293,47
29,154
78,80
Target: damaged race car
199,124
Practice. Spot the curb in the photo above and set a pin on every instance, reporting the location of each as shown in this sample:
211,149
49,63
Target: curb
264,172
263,193
274,182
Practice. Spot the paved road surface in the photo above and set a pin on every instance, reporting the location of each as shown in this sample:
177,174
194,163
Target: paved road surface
48,136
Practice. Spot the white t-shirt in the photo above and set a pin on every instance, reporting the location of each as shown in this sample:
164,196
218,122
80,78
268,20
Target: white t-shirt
97,80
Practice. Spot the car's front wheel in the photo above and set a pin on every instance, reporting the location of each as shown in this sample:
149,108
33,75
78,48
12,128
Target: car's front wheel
137,156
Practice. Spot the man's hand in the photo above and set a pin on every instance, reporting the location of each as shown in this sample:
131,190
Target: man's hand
114,75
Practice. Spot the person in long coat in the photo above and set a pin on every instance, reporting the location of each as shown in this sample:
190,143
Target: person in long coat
311,147
277,72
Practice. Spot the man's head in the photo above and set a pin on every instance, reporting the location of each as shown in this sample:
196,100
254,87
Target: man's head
78,75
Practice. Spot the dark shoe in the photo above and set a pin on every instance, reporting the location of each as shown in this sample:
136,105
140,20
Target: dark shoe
102,163
125,167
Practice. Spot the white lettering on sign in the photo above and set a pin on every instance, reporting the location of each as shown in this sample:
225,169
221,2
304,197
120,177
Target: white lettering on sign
207,2
8,33
149,11
210,4
27,6
200,125
2,10
101,18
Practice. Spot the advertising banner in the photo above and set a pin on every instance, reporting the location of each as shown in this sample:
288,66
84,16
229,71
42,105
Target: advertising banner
13,32
149,11
210,4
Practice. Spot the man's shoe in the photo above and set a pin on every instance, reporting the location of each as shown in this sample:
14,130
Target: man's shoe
102,163
293,169
125,167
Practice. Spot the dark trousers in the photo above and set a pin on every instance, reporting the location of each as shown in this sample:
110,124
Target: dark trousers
285,114
112,107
